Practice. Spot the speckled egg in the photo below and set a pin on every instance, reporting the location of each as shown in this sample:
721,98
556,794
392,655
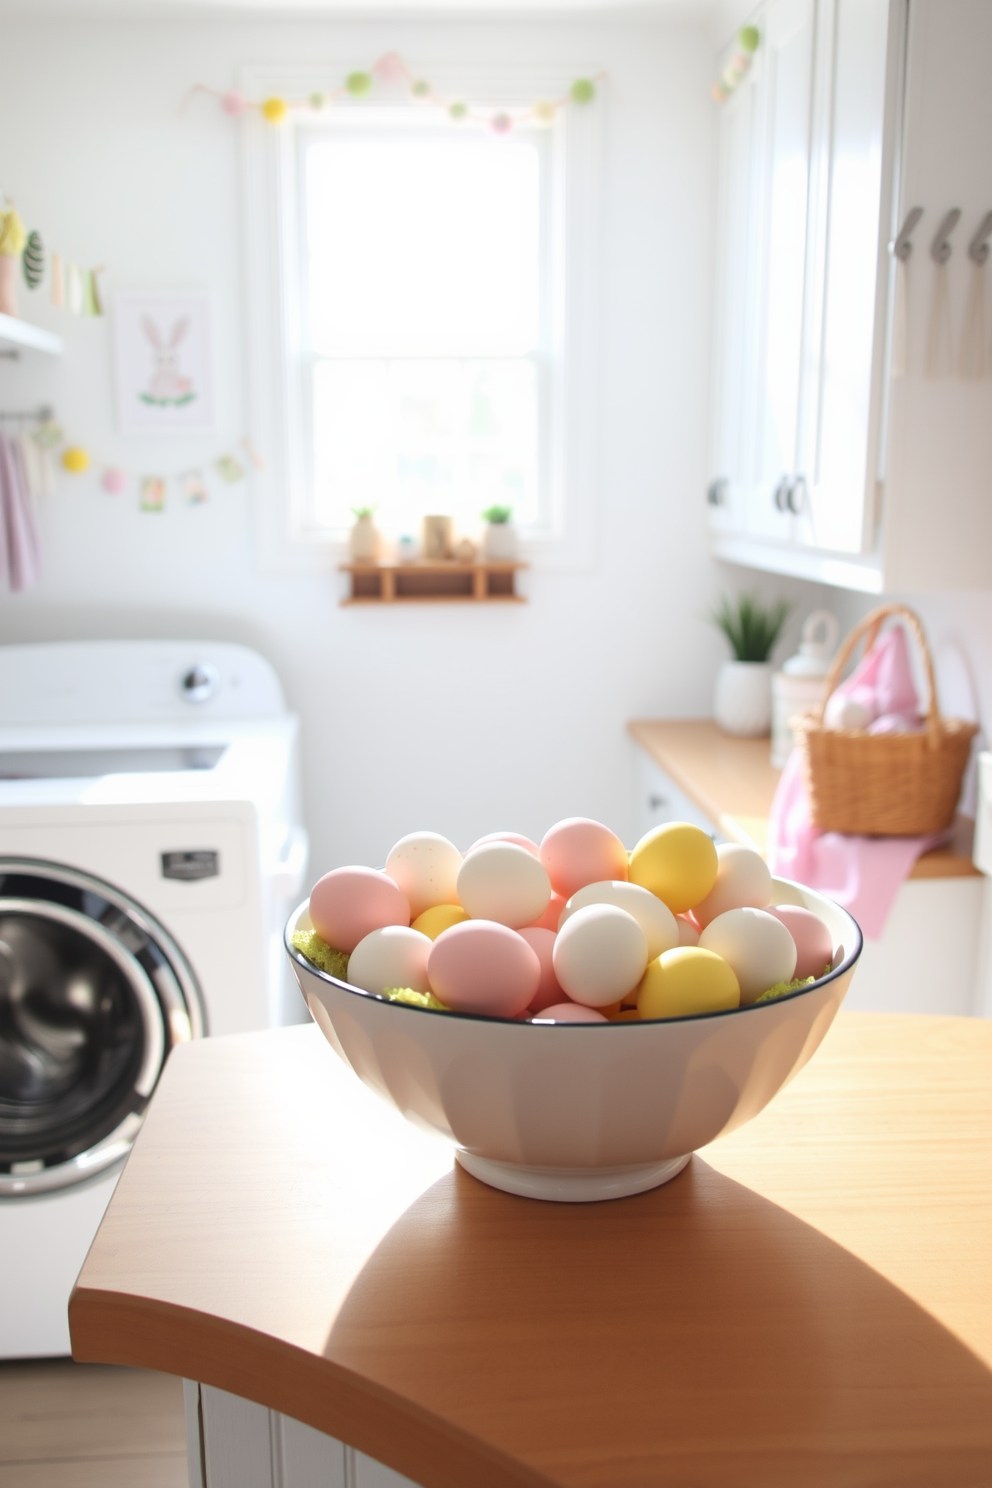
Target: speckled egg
425,866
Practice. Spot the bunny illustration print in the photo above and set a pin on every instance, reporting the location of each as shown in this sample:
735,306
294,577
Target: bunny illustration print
167,387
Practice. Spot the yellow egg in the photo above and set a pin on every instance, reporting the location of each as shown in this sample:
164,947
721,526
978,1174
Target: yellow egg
678,862
439,917
687,981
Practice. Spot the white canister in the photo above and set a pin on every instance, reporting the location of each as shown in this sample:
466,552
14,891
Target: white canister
798,687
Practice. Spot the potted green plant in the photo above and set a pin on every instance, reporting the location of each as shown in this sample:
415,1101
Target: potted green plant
743,697
499,538
364,540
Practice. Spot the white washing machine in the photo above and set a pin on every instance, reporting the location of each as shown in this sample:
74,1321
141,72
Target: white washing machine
150,850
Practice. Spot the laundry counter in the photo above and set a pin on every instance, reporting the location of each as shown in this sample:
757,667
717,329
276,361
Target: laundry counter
810,1301
934,956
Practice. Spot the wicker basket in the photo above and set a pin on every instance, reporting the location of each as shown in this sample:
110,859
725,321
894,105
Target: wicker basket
887,785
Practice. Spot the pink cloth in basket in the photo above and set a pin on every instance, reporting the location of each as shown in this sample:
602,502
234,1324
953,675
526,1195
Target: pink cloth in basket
861,873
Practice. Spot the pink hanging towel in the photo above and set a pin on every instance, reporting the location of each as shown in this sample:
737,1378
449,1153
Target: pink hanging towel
20,552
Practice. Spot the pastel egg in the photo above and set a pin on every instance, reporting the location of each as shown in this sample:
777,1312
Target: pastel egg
688,933
514,837
814,943
678,862
757,946
392,957
600,954
425,866
578,851
439,917
347,903
655,918
570,1012
549,919
503,882
542,943
483,967
686,982
743,881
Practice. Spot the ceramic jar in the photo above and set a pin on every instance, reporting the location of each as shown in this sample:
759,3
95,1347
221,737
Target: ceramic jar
742,704
364,541
798,687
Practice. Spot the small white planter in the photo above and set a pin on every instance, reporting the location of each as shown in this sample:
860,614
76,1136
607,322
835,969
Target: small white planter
499,542
743,701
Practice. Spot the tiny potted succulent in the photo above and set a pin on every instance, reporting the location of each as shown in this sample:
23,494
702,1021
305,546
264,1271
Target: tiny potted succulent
743,699
499,539
364,540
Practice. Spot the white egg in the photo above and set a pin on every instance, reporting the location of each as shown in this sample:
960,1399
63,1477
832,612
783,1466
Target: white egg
655,918
757,945
844,712
503,882
395,956
743,881
425,866
600,954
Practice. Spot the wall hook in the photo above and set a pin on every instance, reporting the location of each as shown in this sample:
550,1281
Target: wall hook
940,248
901,247
978,248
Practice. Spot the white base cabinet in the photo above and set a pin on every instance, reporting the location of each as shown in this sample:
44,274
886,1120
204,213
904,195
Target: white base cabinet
851,418
235,1443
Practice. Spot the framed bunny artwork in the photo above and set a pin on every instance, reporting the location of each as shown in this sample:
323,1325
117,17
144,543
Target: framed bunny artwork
163,362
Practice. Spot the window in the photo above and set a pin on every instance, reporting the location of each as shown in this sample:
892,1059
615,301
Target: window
417,344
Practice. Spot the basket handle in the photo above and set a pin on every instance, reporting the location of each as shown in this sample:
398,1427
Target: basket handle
870,626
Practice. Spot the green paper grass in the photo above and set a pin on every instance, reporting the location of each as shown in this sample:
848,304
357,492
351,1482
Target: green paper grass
751,628
415,999
320,954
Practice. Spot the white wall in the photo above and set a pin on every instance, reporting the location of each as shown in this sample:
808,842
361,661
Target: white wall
457,719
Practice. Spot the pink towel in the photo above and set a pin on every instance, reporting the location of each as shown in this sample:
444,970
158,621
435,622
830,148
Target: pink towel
20,554
861,873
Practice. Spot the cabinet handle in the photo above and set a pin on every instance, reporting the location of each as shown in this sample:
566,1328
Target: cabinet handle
716,492
657,802
797,493
780,495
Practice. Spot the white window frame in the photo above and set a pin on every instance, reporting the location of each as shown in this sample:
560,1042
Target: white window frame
279,422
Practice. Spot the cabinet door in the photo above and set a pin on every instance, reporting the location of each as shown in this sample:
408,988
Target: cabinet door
734,310
783,121
938,522
846,281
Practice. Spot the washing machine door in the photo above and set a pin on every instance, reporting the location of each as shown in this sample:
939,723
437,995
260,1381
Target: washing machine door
94,994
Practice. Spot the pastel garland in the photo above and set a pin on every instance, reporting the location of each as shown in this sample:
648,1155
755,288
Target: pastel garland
390,75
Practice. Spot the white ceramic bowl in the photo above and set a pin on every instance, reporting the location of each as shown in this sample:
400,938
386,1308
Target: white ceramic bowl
587,1110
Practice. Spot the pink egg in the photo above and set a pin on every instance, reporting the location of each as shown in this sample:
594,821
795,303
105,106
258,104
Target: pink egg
549,990
549,919
481,967
513,837
349,903
688,932
578,851
814,946
571,1012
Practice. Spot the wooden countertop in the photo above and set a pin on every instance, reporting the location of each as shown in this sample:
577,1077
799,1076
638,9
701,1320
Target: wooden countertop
733,782
808,1303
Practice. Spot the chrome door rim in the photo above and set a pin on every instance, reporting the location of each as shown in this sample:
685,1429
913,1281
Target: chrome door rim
168,999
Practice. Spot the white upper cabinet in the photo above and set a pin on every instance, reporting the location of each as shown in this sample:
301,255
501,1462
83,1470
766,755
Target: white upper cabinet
852,399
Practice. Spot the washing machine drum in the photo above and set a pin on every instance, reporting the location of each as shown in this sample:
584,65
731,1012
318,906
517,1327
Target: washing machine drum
93,996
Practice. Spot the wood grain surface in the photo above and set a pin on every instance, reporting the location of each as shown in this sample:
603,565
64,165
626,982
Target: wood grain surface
733,783
809,1303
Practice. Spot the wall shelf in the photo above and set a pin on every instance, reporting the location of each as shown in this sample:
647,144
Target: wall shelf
429,583
15,333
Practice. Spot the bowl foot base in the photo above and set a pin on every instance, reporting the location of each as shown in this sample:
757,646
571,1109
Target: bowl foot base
571,1185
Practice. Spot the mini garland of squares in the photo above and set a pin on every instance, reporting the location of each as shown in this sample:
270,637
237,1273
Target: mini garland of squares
737,69
392,74
76,460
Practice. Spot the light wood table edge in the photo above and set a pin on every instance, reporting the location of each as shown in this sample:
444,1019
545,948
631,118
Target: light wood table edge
117,1328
